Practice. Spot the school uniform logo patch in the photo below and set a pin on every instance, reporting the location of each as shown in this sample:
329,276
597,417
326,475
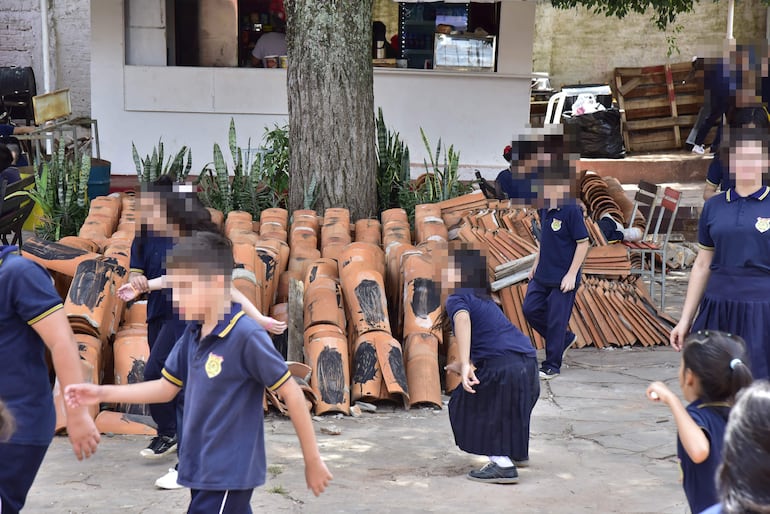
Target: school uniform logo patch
555,225
762,224
214,365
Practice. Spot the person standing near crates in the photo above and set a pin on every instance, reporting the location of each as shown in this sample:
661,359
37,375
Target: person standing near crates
555,275
731,274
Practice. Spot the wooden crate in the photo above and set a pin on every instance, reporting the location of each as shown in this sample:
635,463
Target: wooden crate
659,105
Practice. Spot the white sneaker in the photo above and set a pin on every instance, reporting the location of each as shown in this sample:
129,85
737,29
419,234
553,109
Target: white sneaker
698,149
168,481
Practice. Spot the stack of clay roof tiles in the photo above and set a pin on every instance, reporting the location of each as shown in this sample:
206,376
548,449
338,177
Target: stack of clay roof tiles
611,308
372,294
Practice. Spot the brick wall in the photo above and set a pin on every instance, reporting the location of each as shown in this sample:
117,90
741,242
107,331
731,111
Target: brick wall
20,35
576,46
70,37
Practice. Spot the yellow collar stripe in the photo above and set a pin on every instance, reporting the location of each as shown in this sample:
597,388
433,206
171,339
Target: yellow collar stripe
764,195
230,325
171,378
46,313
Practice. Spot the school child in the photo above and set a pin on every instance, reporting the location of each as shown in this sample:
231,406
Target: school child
152,243
712,371
516,181
731,274
744,475
32,318
224,361
168,215
490,413
555,275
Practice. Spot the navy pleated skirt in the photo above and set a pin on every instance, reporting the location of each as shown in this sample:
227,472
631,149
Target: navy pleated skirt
495,420
737,301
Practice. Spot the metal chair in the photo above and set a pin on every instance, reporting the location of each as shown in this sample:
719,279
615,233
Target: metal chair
656,243
14,210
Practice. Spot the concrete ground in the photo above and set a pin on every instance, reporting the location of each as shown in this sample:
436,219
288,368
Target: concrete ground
597,446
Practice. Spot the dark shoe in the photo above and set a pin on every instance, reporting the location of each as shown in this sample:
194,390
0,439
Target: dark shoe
159,446
572,344
494,474
548,374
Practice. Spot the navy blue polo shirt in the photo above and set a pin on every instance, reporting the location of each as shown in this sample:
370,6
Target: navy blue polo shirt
699,480
148,256
492,334
28,297
717,175
226,375
737,229
562,229
518,188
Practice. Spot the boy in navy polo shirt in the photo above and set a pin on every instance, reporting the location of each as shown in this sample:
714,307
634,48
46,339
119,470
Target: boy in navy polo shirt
224,360
555,275
32,318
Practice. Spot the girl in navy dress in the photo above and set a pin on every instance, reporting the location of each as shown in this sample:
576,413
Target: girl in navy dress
490,412
712,372
730,279
745,471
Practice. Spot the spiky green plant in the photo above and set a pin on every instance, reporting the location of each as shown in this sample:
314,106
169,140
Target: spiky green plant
254,179
393,171
61,191
152,166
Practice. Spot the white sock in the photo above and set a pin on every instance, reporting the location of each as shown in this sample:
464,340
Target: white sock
503,462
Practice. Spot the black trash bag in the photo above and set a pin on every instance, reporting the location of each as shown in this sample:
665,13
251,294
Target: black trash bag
598,134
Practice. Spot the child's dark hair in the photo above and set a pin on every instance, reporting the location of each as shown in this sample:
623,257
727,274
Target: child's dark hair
474,276
183,209
744,475
719,361
7,423
208,253
473,263
6,157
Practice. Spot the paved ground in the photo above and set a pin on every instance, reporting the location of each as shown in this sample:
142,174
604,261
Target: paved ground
597,446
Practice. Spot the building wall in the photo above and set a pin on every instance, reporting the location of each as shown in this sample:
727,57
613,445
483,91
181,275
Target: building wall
70,44
575,46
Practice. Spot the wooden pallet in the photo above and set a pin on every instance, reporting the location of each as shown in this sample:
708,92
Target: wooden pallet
659,105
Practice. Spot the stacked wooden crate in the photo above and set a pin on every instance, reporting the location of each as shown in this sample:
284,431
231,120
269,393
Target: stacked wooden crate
659,105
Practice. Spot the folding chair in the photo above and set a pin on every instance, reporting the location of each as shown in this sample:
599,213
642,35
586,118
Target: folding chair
14,210
645,196
657,244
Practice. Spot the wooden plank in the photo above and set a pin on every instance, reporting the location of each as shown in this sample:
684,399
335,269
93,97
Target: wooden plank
657,123
659,101
672,103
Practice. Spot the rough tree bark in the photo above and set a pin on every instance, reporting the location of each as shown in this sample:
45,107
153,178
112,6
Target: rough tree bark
331,105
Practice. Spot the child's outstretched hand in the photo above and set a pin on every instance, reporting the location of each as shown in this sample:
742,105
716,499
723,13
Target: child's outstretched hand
274,326
469,377
77,395
317,476
127,292
659,392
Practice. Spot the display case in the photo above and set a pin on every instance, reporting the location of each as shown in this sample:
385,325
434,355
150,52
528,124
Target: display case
464,52
417,26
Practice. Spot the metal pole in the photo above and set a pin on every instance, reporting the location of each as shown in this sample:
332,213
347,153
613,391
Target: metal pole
730,17
46,50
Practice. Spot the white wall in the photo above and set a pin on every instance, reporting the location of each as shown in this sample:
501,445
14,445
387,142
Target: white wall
477,113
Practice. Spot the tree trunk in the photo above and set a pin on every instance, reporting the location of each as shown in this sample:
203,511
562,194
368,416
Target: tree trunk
331,105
